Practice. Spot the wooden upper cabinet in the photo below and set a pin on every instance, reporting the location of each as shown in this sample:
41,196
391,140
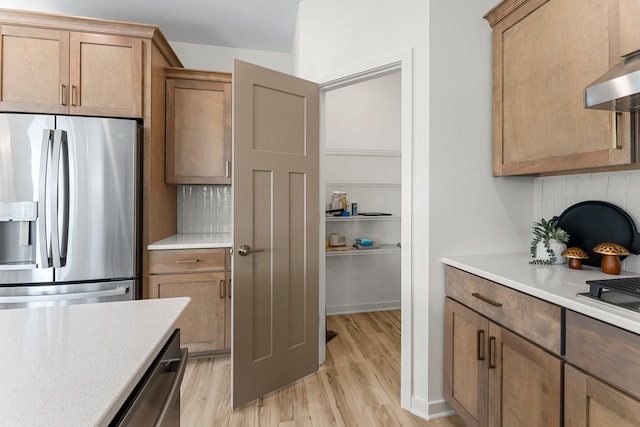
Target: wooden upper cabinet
105,75
628,12
62,72
198,135
545,52
34,69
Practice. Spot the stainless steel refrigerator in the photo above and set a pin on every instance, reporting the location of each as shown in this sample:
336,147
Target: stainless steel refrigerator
69,202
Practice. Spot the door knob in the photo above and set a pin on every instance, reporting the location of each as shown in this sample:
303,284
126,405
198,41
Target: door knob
245,250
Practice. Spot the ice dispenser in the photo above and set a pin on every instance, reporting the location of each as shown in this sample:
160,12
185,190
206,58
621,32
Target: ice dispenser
17,235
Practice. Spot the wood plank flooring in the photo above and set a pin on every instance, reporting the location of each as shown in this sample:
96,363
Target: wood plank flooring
358,385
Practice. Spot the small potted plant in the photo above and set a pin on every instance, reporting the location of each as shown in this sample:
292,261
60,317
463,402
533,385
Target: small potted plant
548,242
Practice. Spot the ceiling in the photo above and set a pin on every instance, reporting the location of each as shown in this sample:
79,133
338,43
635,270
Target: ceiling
248,24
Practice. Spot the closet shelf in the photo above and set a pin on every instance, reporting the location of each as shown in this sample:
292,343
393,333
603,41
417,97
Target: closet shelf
362,218
383,249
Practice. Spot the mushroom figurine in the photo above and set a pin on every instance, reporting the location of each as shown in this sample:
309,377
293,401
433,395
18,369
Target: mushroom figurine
575,255
611,253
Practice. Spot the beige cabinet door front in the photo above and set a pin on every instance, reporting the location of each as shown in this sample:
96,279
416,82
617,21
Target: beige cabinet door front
202,322
590,402
105,75
525,382
465,363
276,211
34,63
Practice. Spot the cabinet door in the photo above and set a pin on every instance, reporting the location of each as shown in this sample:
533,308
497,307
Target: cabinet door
198,132
525,382
202,322
105,75
545,54
34,64
591,402
465,363
629,14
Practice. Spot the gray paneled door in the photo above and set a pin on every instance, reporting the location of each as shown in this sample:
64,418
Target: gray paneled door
276,217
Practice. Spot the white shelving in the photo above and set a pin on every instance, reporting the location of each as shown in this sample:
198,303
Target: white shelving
365,279
363,218
383,249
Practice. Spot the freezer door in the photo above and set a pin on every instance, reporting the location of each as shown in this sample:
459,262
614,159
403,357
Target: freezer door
67,294
97,193
25,162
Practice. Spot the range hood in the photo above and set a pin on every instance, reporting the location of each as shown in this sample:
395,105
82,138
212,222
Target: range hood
618,89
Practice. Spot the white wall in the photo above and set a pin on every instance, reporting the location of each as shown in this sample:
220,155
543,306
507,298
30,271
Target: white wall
219,58
471,212
365,115
457,207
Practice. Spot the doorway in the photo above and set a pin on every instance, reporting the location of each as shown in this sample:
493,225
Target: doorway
389,194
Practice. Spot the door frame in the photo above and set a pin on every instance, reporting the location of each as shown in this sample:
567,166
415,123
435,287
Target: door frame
378,67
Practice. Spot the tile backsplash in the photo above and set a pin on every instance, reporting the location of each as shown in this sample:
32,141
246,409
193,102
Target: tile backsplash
552,195
204,209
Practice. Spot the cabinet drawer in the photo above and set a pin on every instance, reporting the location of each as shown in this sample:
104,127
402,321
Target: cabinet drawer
187,261
605,351
530,317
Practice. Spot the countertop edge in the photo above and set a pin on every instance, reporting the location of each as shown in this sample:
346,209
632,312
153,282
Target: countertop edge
193,241
615,316
151,355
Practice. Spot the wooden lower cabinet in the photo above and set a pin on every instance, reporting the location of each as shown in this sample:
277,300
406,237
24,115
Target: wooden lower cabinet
466,370
602,374
202,322
525,382
591,402
204,276
494,377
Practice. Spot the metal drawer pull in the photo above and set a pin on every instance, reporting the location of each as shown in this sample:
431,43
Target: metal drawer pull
63,89
492,352
615,142
480,344
487,300
187,261
222,289
74,90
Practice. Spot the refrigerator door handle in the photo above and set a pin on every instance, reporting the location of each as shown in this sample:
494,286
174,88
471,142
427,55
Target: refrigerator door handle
45,260
63,297
63,203
57,200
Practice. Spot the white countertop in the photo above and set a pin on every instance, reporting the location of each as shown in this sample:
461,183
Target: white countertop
555,283
76,365
193,241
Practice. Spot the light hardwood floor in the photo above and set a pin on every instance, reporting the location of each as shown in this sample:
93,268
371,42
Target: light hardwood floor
358,385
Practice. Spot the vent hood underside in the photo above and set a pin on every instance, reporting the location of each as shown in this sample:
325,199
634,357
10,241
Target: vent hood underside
618,89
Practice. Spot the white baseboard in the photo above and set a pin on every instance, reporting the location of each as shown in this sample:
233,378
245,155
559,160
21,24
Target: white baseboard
430,410
440,409
362,308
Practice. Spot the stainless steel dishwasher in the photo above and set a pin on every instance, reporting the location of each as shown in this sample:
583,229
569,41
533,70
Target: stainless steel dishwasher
156,399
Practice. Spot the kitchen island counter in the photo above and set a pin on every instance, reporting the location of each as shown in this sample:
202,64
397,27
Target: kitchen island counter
193,241
76,365
557,284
